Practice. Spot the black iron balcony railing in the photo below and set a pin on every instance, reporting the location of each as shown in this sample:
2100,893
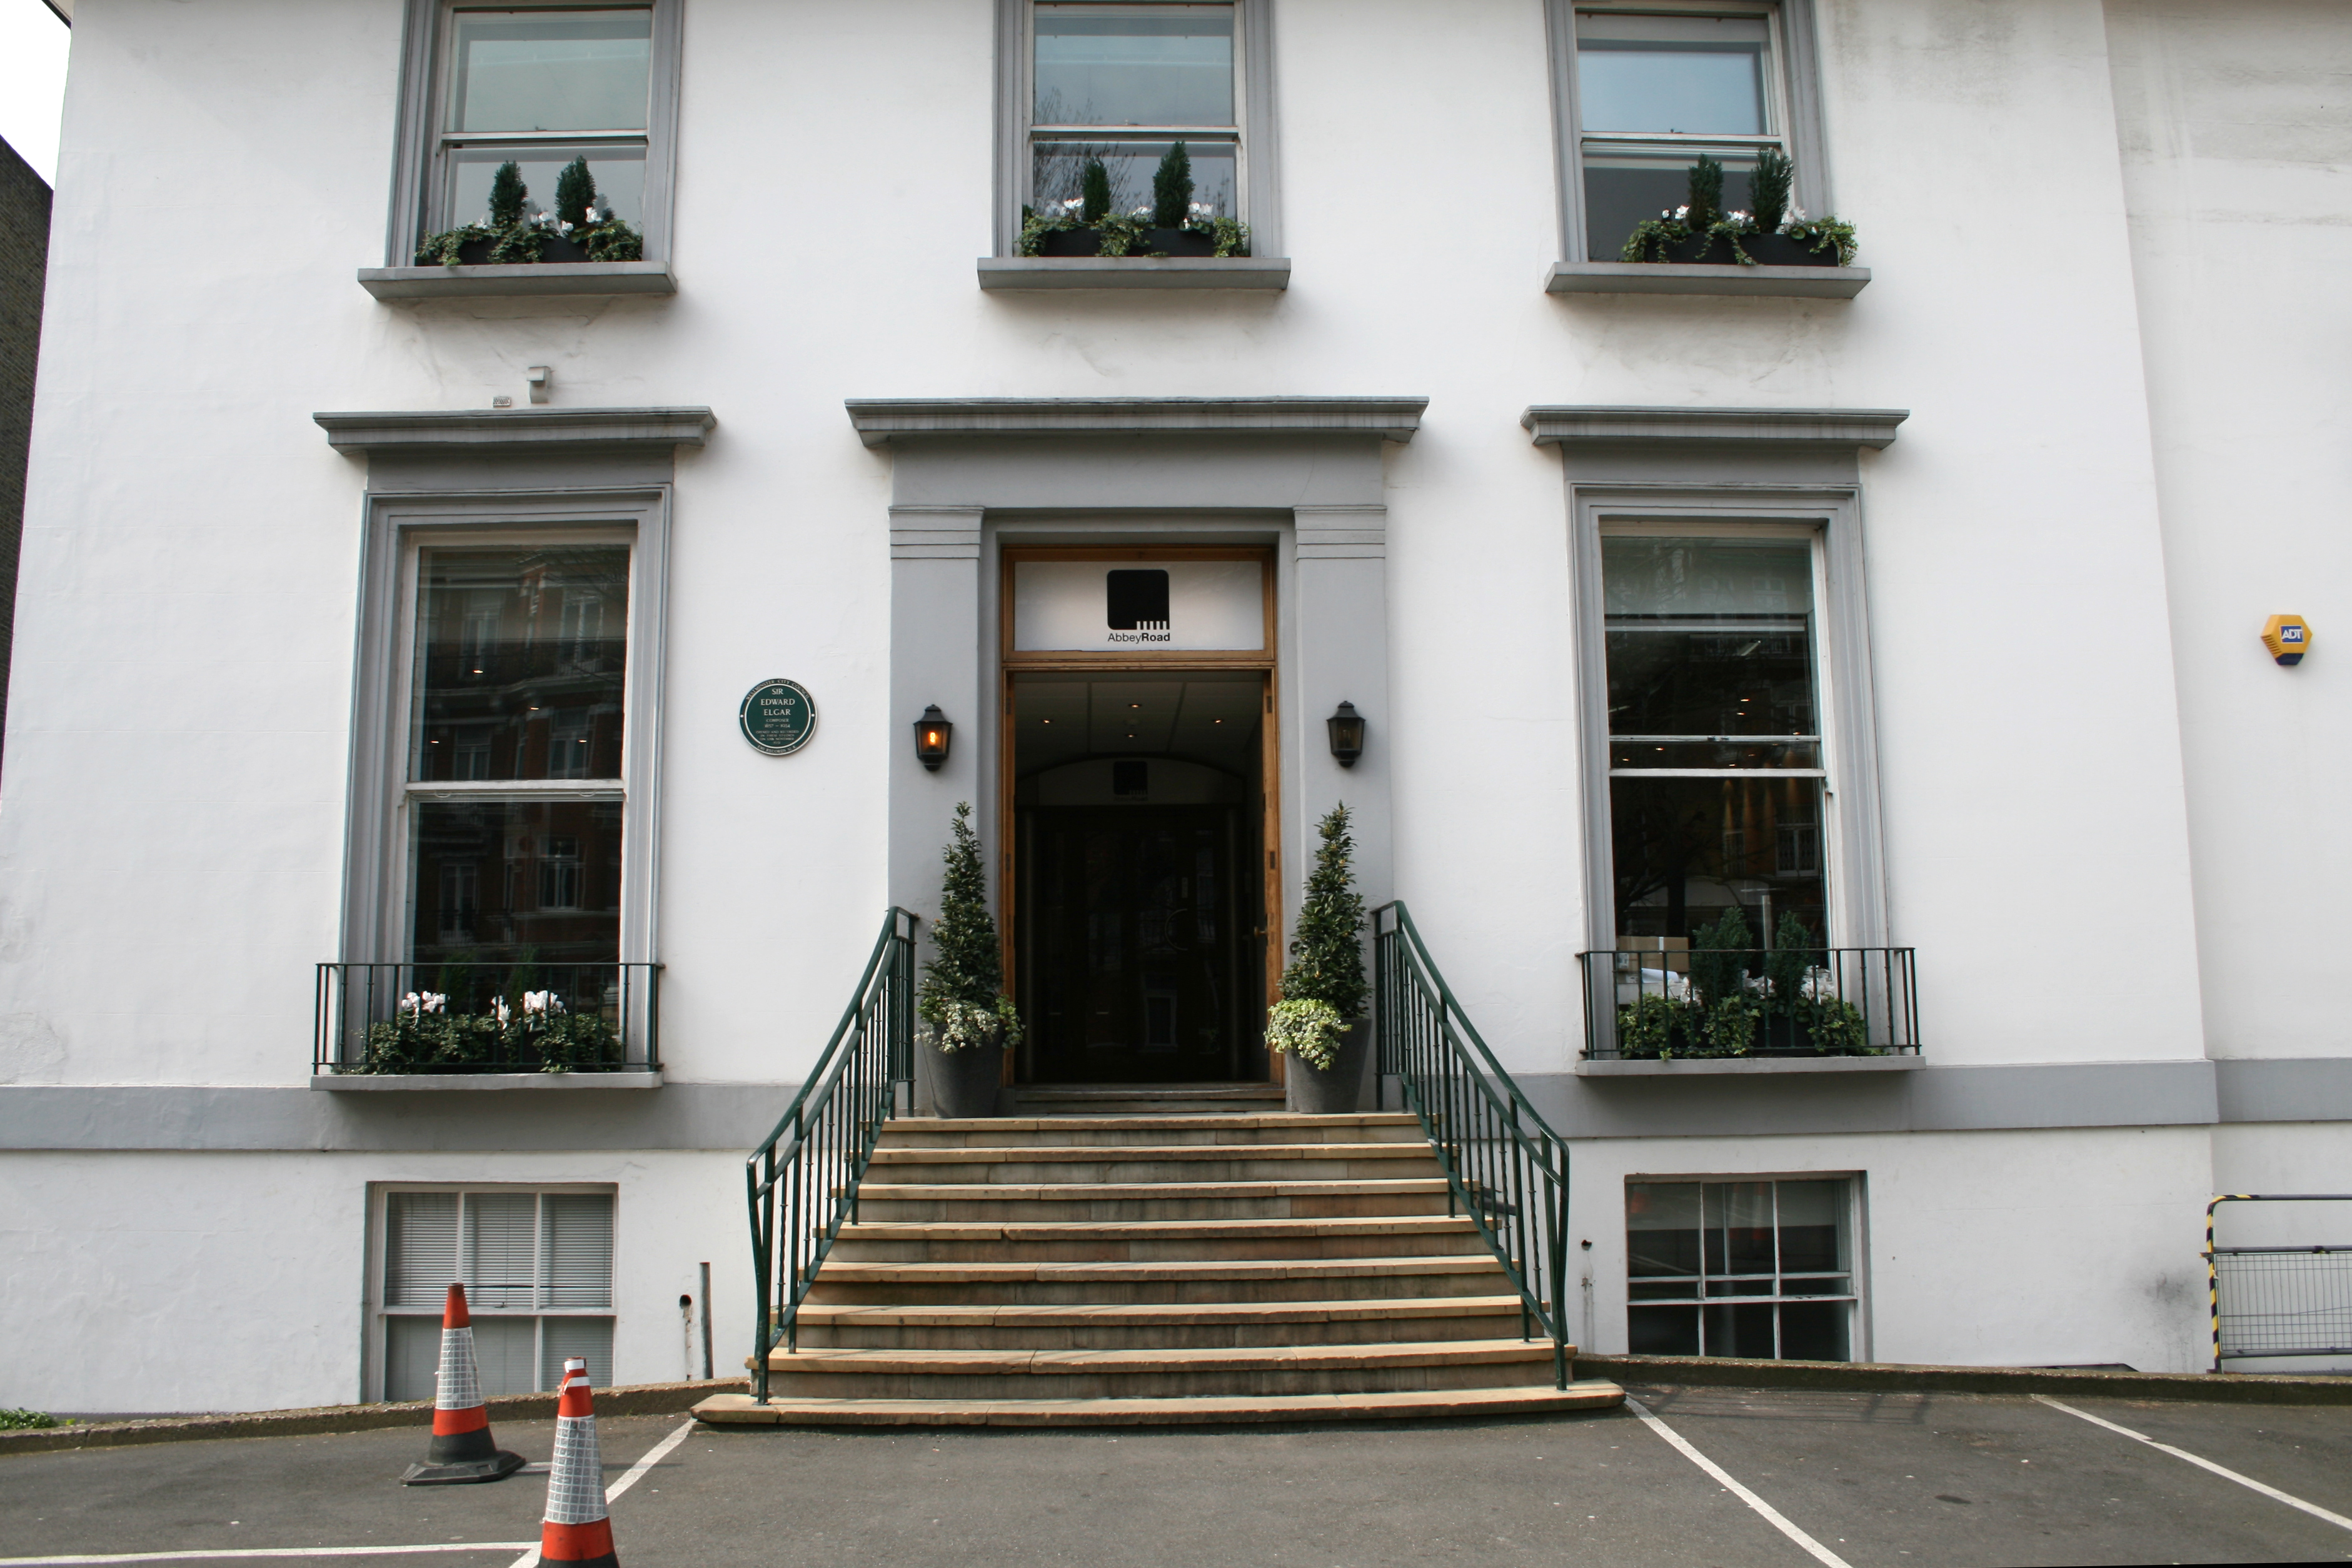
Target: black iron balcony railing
1676,1004
1505,1166
526,1016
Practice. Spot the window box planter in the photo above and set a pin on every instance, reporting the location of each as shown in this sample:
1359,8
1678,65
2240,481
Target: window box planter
1763,250
494,1021
1161,241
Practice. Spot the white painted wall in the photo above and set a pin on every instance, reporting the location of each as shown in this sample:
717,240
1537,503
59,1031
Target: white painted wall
2066,1249
2237,169
172,822
194,1282
178,737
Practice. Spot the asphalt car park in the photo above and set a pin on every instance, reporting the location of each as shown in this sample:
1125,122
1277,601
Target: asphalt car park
1714,1476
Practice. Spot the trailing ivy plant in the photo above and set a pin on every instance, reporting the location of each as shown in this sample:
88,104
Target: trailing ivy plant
526,1031
1323,990
962,1001
517,235
1128,234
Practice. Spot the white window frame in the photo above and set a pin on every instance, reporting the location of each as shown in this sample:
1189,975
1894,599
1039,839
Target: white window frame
1855,1219
418,163
1792,103
1252,134
379,865
1854,861
377,1357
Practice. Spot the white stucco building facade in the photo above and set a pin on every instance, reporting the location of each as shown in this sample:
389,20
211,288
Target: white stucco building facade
2047,457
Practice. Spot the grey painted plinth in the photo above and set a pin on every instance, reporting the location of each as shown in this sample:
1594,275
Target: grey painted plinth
1259,272
1700,1066
345,1083
1697,277
526,278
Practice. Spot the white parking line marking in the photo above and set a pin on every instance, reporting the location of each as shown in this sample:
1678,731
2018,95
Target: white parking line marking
653,1456
1773,1516
2249,1482
262,1551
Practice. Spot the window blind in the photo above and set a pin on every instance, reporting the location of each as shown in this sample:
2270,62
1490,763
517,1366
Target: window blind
579,1252
420,1249
502,1232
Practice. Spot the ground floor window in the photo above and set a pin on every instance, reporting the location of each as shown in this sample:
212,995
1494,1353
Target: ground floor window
537,1272
1759,1268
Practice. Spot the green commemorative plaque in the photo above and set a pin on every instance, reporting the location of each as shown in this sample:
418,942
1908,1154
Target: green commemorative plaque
777,717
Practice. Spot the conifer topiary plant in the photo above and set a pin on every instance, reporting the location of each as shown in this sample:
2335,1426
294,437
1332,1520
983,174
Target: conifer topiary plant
963,1001
1323,990
1172,189
507,193
576,192
1094,192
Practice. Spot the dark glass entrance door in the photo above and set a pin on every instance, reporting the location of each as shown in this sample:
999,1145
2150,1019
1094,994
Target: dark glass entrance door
1136,962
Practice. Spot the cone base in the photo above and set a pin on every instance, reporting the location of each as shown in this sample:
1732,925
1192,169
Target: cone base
497,1467
608,1561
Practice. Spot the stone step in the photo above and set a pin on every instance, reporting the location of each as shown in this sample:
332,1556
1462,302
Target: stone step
1454,1404
1158,1374
1145,1099
1067,1163
1035,1131
966,1202
1277,1280
1201,1325
1145,1241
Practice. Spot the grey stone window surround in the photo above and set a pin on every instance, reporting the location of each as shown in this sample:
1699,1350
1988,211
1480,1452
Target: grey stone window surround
1578,273
1712,467
1264,268
473,475
972,476
412,179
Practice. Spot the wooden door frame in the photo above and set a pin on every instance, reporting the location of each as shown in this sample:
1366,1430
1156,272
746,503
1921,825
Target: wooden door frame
1264,659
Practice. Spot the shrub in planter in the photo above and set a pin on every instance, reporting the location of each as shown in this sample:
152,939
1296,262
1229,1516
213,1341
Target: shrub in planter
581,228
968,1021
531,1032
1319,1020
1173,224
1774,234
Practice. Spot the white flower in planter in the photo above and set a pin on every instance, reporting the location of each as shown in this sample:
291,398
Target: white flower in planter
434,1000
545,1002
498,1010
411,1003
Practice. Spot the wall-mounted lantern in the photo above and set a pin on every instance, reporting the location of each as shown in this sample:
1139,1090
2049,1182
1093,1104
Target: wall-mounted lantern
932,735
1347,727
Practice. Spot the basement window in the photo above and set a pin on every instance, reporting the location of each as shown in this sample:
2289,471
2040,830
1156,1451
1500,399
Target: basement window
536,1265
1753,1268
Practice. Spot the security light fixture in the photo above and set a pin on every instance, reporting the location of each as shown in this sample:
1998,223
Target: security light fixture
932,735
1347,727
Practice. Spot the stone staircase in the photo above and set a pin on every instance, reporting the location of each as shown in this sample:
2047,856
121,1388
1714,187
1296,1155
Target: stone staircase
1127,1256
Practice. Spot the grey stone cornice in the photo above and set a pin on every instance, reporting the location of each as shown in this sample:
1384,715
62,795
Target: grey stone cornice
516,429
1572,424
884,419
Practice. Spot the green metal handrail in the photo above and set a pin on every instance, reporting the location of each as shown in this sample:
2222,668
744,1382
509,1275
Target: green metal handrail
802,1184
1506,1166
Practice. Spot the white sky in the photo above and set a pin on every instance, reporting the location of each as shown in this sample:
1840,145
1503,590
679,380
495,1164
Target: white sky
32,82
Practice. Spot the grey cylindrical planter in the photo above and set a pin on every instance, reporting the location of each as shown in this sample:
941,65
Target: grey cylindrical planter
1337,1089
963,1083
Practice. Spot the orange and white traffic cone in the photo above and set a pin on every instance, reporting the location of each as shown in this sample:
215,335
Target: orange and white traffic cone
578,1528
462,1447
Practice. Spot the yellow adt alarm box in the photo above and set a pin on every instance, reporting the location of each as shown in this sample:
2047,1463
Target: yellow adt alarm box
2288,638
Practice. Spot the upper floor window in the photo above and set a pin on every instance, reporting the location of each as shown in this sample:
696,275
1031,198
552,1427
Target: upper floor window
538,89
540,85
1123,83
1654,87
